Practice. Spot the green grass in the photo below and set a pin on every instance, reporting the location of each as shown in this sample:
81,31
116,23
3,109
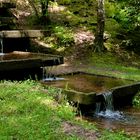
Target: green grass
29,111
26,113
110,65
108,135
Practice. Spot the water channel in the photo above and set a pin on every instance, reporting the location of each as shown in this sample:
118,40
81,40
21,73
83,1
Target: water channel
87,83
127,118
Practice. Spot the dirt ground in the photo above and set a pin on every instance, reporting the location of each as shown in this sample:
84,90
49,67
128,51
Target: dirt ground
72,129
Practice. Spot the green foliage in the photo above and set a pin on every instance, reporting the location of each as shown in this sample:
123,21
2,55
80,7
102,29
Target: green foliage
65,2
112,27
136,100
129,14
63,35
110,9
80,13
127,18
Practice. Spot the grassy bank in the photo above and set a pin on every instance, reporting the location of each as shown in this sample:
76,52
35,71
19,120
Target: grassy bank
28,111
110,64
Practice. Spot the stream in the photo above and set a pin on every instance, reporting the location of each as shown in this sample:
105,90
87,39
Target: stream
126,119
128,122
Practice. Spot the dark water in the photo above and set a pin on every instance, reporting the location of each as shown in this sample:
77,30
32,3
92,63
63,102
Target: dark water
88,83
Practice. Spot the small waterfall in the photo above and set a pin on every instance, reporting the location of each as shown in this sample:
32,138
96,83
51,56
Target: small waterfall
1,45
47,76
108,101
98,107
109,111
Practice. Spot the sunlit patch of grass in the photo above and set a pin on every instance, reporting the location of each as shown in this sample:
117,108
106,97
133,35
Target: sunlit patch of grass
109,65
27,113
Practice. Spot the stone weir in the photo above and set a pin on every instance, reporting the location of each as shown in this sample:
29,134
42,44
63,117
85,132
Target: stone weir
19,65
24,60
122,96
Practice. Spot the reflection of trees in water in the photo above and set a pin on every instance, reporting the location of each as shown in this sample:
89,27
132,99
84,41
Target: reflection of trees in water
89,83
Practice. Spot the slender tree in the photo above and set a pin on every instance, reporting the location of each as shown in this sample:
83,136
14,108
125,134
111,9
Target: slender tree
44,11
43,4
99,36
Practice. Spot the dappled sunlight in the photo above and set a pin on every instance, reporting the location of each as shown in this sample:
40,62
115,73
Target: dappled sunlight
56,8
83,36
49,103
9,109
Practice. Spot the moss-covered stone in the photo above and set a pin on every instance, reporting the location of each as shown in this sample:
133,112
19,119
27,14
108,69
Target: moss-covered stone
80,97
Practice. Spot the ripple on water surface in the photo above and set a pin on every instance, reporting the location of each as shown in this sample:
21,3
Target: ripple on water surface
127,119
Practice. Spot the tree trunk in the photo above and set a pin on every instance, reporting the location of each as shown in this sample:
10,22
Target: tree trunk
99,37
44,9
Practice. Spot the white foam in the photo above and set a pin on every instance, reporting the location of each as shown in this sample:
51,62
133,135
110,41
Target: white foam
52,79
111,114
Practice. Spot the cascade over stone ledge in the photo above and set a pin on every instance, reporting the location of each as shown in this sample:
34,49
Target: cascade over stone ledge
122,96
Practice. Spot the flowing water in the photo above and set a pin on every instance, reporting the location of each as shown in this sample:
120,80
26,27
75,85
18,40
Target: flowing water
127,119
1,46
48,76
108,111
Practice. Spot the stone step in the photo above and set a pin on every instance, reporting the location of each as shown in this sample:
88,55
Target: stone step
25,60
23,33
7,4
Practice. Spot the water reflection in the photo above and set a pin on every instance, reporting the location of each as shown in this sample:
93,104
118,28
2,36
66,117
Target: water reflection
88,83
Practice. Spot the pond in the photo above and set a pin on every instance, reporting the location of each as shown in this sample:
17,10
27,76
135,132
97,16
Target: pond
87,82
